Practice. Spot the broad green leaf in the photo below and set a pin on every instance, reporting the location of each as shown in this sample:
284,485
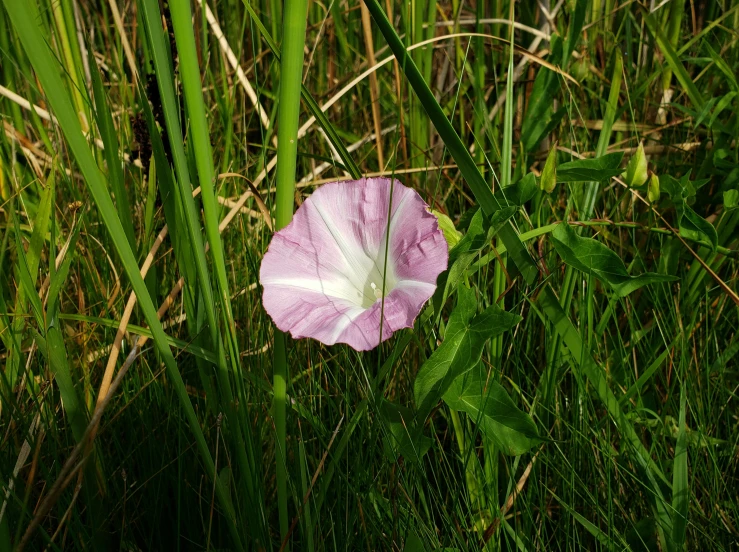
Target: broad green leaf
695,227
593,258
731,199
591,170
683,188
636,170
466,335
413,543
518,193
488,403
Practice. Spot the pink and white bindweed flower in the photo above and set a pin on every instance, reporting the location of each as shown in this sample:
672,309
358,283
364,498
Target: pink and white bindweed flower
323,273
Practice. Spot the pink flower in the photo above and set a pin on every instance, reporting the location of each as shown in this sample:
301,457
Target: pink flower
323,273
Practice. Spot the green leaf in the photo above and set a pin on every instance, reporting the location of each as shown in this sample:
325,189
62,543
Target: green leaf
578,12
593,258
731,199
518,193
481,230
690,223
695,227
451,234
636,170
591,170
488,403
548,179
466,335
54,349
722,104
413,543
590,527
59,277
27,280
722,66
40,228
653,189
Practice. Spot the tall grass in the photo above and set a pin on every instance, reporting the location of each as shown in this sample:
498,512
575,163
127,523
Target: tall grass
148,152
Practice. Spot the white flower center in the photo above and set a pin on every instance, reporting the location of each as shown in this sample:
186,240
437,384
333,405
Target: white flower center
374,288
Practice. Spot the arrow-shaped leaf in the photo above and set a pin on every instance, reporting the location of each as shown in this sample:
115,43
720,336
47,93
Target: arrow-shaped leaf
591,170
500,420
690,223
593,258
466,335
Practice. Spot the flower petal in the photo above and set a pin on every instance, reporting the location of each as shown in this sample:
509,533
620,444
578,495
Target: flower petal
401,308
322,274
417,245
309,314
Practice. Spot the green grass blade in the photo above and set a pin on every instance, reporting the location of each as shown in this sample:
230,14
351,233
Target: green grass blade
336,141
680,489
288,115
506,159
672,59
109,136
199,137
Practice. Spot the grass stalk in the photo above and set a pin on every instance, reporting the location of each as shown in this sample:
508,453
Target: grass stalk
291,74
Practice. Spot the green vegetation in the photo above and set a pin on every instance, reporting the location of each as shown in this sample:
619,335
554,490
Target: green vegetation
571,385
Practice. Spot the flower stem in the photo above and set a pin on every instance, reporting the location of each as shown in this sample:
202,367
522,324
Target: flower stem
291,72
